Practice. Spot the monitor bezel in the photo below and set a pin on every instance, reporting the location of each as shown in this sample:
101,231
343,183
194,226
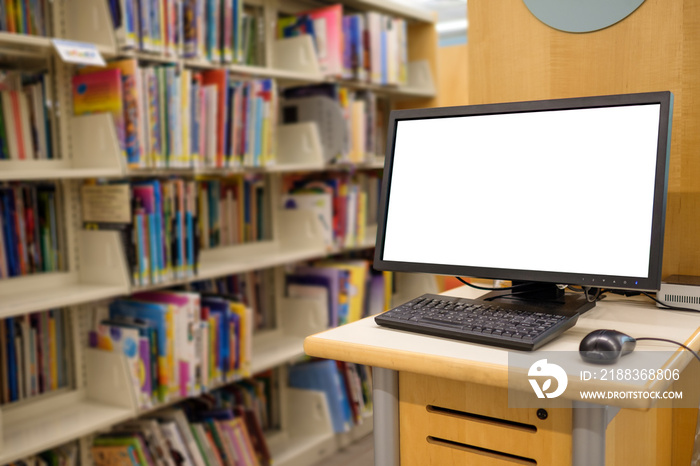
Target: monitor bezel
650,283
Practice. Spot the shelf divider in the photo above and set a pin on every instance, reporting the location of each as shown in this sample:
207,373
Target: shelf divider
296,54
95,143
90,21
299,145
309,438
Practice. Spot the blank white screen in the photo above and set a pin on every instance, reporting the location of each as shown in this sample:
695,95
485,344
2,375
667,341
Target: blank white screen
559,191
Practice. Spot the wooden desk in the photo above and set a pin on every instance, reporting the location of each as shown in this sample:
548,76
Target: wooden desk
440,401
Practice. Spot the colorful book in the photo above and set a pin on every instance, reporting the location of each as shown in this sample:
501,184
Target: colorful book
132,118
323,375
101,92
161,317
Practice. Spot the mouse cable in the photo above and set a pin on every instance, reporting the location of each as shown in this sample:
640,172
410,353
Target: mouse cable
505,288
672,342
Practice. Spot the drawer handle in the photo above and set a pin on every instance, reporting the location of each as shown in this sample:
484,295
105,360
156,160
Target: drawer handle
514,459
481,418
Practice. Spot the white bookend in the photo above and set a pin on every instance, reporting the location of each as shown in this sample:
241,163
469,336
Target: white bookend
308,437
299,146
296,54
302,317
108,380
299,318
95,144
90,21
300,229
420,78
102,259
101,273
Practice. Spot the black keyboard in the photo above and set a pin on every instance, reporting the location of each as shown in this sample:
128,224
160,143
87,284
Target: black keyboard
499,324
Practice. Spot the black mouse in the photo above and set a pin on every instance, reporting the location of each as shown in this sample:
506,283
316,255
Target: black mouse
605,346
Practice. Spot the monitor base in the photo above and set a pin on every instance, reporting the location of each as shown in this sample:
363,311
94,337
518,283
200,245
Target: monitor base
547,296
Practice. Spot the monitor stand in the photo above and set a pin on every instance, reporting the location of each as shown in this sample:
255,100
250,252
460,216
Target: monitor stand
544,297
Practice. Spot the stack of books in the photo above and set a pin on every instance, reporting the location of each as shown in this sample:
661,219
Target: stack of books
33,358
369,47
25,129
30,229
178,119
345,204
217,430
220,31
250,288
347,387
178,344
65,455
25,17
157,220
349,286
232,210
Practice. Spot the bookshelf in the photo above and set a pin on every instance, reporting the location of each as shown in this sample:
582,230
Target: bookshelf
96,270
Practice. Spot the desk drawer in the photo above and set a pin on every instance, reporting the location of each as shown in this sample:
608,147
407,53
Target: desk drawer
444,422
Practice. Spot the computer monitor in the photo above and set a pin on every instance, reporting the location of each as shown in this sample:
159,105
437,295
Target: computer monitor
553,192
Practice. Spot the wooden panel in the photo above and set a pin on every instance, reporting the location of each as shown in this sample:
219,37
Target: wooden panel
453,78
422,44
657,436
656,48
685,419
489,427
637,437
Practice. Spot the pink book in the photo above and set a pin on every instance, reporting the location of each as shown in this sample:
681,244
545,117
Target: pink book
328,33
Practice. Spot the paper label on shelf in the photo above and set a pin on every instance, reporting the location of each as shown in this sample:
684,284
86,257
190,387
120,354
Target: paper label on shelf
81,53
106,203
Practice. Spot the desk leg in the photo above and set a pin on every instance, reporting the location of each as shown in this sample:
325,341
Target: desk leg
386,416
588,441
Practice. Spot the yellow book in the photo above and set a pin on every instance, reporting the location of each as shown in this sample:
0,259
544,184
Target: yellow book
241,211
359,270
160,42
53,357
361,217
388,289
186,85
245,337
214,372
173,372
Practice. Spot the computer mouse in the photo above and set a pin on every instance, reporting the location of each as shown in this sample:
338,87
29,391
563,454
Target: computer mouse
605,346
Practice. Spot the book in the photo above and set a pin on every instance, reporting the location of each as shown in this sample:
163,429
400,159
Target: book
125,440
148,355
116,337
132,117
358,275
323,375
17,127
186,311
154,439
116,455
178,447
325,26
161,317
101,92
178,417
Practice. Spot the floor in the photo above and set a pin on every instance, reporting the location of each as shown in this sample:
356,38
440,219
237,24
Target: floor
360,453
